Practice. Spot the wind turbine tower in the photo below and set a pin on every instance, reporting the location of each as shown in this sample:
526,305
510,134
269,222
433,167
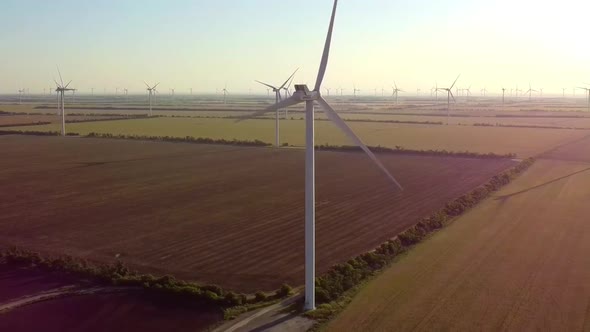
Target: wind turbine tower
449,91
278,98
151,91
396,91
530,92
225,93
587,91
302,94
61,89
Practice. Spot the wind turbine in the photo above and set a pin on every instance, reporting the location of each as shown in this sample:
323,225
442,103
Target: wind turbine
588,91
468,92
563,91
225,93
436,90
21,92
151,90
355,90
449,95
303,95
277,92
287,95
503,94
328,91
61,89
396,91
530,92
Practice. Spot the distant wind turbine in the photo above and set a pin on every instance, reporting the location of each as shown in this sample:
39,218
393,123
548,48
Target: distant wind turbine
467,92
449,91
302,94
151,91
21,92
277,91
61,89
396,91
588,91
355,90
530,92
225,93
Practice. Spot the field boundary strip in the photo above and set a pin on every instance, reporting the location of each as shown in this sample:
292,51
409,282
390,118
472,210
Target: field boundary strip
258,143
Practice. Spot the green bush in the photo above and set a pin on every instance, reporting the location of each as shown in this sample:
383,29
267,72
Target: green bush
284,291
260,297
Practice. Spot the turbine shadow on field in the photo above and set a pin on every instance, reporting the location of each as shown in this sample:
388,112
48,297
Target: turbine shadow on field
503,197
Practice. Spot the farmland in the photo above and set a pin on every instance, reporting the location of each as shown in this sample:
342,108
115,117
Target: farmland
517,262
189,210
108,311
524,142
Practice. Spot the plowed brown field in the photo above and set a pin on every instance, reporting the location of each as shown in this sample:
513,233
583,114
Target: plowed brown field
219,214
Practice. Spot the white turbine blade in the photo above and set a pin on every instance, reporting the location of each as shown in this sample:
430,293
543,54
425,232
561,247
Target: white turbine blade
61,80
337,120
68,84
57,84
326,55
455,81
395,85
283,104
268,85
146,85
451,93
289,79
290,82
155,86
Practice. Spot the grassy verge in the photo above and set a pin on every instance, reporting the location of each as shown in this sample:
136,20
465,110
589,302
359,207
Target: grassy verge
335,288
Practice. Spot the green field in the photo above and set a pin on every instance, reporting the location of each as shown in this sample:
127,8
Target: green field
522,141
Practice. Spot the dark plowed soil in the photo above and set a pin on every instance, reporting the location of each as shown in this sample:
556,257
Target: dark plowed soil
227,215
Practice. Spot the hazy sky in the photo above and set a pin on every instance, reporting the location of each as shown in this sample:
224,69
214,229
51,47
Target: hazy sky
204,44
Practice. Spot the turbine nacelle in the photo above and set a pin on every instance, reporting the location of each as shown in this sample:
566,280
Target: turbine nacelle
302,93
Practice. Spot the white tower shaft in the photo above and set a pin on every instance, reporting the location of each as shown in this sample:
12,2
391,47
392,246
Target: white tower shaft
309,207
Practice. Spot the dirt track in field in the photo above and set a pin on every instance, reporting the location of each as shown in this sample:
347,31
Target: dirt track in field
218,214
518,262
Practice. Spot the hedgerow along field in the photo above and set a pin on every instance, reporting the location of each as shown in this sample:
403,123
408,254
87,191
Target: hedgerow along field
524,142
227,215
